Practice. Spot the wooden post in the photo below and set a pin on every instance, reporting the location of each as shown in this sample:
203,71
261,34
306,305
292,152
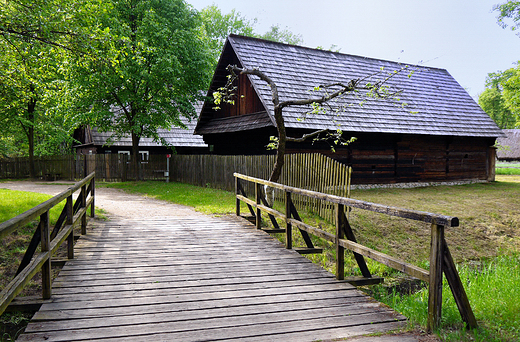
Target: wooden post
70,218
258,213
458,289
237,185
288,226
83,195
435,288
92,193
340,234
45,247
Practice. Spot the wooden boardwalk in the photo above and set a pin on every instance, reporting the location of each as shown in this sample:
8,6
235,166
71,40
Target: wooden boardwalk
198,279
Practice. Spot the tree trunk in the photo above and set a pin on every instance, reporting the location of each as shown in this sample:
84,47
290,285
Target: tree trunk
31,107
136,158
280,154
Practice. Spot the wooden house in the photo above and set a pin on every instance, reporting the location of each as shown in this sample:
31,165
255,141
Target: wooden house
92,141
509,145
432,130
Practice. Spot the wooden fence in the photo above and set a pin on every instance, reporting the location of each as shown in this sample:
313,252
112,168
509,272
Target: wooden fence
441,260
49,240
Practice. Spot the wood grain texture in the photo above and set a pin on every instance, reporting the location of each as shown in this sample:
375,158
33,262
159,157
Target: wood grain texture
200,278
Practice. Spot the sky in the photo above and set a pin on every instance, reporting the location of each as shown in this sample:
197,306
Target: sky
461,36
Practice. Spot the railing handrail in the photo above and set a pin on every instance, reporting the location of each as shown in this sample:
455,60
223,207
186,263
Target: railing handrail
32,262
12,224
444,220
441,261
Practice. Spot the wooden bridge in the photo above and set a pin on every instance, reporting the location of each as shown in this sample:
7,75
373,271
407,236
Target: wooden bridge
193,279
200,278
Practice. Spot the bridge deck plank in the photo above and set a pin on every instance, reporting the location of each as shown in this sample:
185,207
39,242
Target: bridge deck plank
187,279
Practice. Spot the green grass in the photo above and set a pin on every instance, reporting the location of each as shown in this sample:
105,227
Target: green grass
14,203
205,200
507,171
492,288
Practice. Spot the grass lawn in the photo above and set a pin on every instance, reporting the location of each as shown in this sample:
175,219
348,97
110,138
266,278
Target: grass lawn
486,246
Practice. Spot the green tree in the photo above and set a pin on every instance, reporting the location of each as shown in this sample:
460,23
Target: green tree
277,34
493,101
149,74
218,26
35,36
28,69
509,10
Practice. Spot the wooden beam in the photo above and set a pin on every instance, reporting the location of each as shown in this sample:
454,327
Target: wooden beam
444,220
340,234
45,247
288,225
435,288
457,289
387,260
349,233
362,281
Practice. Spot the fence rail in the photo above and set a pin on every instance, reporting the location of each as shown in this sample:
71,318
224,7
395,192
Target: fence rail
49,240
441,260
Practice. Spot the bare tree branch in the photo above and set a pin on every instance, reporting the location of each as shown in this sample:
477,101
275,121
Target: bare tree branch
307,136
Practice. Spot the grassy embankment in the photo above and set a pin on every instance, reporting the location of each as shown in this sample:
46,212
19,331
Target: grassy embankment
486,246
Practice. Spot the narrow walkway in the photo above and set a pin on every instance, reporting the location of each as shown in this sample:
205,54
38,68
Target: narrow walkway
198,278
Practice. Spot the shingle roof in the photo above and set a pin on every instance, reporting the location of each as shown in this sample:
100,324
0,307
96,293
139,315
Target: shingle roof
236,123
176,136
431,102
509,145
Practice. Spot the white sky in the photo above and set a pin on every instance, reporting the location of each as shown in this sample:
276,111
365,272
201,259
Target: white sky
461,36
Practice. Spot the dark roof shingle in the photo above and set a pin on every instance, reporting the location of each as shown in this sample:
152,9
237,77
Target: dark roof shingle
431,101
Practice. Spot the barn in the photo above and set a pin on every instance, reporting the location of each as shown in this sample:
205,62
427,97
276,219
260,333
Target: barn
92,141
429,130
509,146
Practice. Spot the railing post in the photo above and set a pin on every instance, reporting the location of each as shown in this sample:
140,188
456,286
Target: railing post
45,247
340,234
258,192
83,196
435,288
92,193
237,185
288,226
70,218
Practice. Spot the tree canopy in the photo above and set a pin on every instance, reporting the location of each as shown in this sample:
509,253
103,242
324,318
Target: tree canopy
509,11
149,75
125,66
501,98
218,26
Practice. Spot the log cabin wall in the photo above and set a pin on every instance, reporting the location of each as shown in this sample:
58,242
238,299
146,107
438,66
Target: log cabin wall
397,158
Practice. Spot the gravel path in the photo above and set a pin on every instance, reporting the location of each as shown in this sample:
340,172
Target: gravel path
115,202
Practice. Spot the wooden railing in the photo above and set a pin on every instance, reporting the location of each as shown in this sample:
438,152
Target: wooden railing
441,260
72,215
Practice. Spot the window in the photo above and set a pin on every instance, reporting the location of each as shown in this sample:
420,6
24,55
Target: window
124,155
145,156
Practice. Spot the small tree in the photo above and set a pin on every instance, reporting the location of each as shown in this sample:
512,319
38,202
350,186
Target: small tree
325,94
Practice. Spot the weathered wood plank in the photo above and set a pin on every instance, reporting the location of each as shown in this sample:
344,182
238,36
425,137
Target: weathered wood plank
221,286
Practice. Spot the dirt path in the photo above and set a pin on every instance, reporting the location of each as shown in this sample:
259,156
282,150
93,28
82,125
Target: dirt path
115,202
